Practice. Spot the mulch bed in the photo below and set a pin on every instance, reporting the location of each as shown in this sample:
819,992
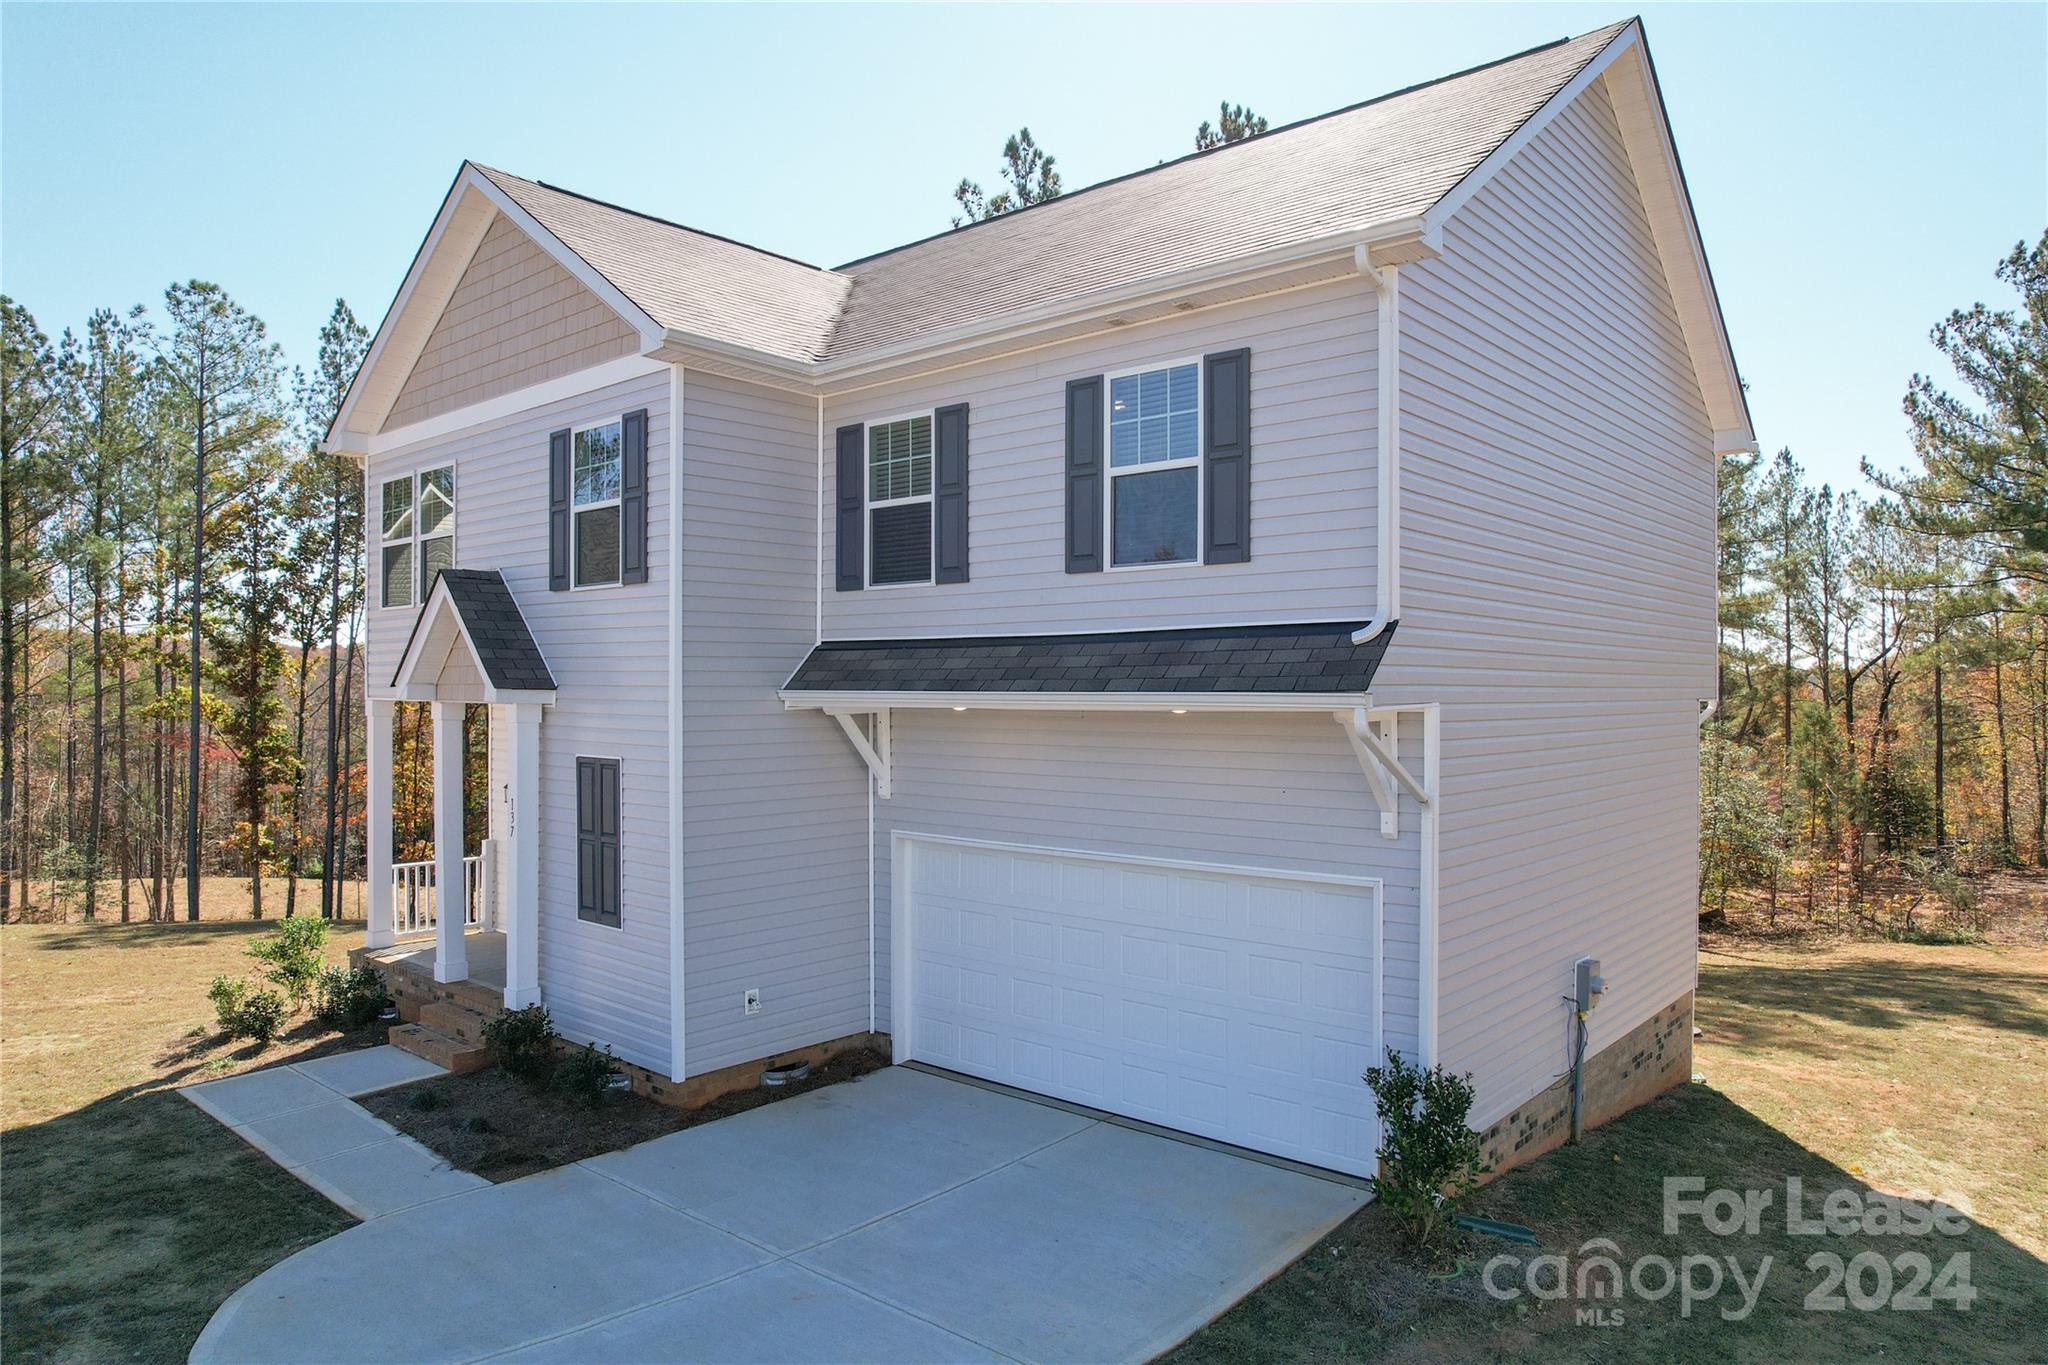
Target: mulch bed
503,1128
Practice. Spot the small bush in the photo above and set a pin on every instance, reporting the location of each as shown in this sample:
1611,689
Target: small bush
292,957
427,1101
261,1017
523,1039
586,1074
477,1123
1429,1158
349,997
227,995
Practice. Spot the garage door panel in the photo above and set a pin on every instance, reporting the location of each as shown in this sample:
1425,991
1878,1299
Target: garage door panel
1239,1007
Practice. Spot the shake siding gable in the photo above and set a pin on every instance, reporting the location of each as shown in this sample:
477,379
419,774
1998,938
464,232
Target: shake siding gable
774,804
1313,486
1557,600
608,650
516,318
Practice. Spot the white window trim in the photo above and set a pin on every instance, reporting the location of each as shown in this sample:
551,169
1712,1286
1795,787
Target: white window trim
575,507
1191,462
415,537
869,504
420,535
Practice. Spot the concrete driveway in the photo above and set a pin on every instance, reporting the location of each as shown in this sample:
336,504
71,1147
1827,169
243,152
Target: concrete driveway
902,1217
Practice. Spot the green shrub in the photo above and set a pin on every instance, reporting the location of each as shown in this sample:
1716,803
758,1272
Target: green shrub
426,1101
585,1075
523,1039
261,1017
349,997
1429,1158
227,995
292,957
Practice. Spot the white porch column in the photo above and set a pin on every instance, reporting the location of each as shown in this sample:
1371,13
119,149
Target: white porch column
451,955
521,891
381,931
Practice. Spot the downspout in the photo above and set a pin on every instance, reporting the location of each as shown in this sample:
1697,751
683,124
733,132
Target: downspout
1386,281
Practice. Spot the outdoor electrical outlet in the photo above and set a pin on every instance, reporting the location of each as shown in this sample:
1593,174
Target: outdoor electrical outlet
753,1001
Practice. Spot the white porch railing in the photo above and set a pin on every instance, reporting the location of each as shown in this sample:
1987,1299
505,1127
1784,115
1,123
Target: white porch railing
415,900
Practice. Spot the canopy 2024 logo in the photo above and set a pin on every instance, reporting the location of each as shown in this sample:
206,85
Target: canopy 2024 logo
1913,1280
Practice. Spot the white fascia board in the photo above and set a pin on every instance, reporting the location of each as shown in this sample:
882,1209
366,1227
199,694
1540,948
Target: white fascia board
563,387
1662,184
408,688
798,700
587,274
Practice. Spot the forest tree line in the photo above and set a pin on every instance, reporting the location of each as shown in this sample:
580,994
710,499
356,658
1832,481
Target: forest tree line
181,586
181,623
1883,722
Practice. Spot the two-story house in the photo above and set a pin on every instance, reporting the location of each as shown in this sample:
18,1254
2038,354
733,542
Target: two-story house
1158,648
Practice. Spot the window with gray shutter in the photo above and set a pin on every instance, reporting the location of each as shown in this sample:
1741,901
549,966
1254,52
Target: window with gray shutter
597,840
900,501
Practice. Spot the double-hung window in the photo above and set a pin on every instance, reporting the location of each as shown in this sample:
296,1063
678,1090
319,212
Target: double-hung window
595,469
1155,466
417,517
900,501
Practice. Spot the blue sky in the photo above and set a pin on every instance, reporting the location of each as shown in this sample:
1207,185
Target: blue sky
1857,171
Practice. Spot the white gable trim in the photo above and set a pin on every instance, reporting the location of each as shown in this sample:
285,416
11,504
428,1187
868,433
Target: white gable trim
1639,108
466,214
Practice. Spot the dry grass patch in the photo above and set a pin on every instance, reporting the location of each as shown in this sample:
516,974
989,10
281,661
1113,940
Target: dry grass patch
503,1128
129,1214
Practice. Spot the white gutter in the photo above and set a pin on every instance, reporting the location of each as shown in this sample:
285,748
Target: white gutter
1386,280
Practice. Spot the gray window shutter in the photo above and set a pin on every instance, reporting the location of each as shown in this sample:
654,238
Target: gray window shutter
558,512
1227,458
949,485
852,504
633,497
597,840
1085,475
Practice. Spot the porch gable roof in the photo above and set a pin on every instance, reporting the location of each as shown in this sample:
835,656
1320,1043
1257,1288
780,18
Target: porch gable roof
488,619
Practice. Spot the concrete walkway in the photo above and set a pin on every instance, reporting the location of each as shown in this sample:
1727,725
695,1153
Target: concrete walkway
902,1217
303,1116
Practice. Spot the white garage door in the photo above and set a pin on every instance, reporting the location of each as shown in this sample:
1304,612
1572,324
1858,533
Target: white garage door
1240,1006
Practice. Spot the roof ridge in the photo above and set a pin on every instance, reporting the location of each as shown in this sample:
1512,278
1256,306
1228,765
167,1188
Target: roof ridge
1241,142
652,218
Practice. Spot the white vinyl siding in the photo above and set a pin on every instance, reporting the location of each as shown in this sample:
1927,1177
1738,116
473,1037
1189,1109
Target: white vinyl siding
774,806
602,984
1558,600
1275,792
1313,486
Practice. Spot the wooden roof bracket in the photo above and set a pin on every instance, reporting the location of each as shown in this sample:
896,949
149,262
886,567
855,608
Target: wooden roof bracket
1376,745
872,745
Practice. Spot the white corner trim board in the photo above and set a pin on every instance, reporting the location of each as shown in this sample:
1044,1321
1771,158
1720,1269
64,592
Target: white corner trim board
677,388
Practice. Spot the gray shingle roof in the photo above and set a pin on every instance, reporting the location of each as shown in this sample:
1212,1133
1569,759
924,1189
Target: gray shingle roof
1383,161
505,648
1314,658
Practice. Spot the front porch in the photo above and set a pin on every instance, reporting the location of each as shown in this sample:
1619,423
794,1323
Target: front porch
459,919
408,970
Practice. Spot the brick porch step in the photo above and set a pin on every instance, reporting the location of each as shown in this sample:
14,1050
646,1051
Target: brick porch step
457,1021
440,1048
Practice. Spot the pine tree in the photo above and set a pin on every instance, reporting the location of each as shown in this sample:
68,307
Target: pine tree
1234,123
222,370
1029,170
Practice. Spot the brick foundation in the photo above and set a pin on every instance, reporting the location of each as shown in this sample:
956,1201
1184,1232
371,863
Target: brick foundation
1653,1057
413,990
